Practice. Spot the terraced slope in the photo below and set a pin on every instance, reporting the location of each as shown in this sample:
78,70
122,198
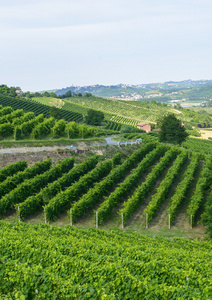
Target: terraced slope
38,108
155,176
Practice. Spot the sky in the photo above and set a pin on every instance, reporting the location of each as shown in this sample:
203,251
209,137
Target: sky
52,44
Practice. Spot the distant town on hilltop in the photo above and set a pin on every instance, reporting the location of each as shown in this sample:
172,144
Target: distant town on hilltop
187,90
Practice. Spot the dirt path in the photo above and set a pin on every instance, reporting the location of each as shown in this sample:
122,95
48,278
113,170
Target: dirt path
205,134
108,141
46,148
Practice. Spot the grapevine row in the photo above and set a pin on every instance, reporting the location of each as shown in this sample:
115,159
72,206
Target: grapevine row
113,125
25,118
6,110
26,128
35,203
34,185
165,185
206,217
64,200
38,108
43,128
142,191
13,115
102,188
204,182
12,169
128,184
183,187
12,181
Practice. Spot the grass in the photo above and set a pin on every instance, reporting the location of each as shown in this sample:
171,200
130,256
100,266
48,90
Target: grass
54,142
198,232
49,101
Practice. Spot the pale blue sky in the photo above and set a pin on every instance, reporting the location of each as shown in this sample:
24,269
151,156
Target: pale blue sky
47,44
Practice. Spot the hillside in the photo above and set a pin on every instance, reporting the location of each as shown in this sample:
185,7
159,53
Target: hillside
190,90
37,107
131,112
167,184
74,106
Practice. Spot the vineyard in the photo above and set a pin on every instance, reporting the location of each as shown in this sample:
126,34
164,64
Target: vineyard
75,107
198,145
154,175
124,120
113,125
71,219
43,261
48,262
38,108
18,125
131,112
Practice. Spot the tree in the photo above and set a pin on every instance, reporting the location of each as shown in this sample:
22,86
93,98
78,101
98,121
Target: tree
46,94
172,130
88,94
4,89
66,95
55,112
53,95
94,117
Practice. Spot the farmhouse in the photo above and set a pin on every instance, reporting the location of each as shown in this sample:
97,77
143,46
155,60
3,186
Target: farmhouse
144,126
19,92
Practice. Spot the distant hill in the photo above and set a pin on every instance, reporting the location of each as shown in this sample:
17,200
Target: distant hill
162,92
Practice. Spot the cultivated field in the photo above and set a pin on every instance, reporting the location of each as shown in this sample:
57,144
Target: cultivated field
149,191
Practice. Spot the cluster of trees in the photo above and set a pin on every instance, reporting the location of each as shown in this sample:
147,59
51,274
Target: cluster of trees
9,91
94,117
79,131
37,94
54,95
72,94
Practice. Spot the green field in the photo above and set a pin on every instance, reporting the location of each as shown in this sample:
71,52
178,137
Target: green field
49,101
129,112
133,112
47,262
136,110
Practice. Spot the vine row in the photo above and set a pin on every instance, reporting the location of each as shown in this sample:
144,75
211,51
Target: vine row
12,169
12,181
165,185
128,184
35,203
183,187
102,188
63,201
34,185
204,182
